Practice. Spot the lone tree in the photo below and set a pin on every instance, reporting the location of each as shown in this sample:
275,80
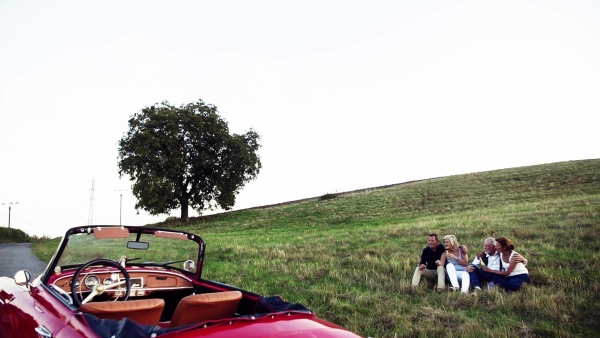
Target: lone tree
180,157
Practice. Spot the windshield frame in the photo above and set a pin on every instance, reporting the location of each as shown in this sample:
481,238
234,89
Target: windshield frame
124,234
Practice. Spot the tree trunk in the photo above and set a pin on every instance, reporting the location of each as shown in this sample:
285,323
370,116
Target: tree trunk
184,211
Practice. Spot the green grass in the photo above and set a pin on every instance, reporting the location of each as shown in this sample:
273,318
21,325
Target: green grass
350,256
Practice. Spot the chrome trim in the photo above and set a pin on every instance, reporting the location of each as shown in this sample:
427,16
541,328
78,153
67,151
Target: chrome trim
43,331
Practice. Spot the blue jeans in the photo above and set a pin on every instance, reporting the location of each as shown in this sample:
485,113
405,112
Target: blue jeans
512,283
478,274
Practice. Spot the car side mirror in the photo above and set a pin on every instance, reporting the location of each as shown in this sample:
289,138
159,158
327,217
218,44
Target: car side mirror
189,265
22,277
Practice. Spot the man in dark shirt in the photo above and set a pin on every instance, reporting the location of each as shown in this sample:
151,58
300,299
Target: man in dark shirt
432,264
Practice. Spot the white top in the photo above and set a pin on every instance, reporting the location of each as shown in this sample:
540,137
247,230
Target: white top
457,265
493,261
519,269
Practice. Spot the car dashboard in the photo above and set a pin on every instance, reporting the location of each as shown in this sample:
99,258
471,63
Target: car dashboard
143,282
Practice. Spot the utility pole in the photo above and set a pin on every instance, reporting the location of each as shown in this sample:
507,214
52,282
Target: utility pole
10,204
120,191
91,211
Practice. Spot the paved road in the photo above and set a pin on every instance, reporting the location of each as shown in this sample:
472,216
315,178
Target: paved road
17,256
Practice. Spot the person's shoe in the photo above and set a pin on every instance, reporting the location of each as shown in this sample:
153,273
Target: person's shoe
477,289
452,289
491,286
438,290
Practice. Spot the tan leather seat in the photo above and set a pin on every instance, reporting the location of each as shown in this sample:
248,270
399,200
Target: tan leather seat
143,311
206,306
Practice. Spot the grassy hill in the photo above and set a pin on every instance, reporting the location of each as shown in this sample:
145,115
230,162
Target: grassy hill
350,256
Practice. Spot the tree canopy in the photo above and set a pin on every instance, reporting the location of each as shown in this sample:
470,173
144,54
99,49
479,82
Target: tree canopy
180,157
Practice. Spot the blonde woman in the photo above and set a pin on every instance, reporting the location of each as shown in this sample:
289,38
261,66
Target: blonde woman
456,262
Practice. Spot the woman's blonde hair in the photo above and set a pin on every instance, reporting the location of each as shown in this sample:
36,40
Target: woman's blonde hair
452,239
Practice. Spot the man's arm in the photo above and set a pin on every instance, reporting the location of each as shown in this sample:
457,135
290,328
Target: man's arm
423,257
478,259
442,261
519,259
476,262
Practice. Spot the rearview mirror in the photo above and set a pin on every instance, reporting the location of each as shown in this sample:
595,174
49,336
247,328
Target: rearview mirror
138,245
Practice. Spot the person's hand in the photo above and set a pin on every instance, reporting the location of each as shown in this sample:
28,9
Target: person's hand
518,258
437,262
422,266
485,268
470,268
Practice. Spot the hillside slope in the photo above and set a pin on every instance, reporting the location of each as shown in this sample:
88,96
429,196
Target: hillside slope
424,198
351,256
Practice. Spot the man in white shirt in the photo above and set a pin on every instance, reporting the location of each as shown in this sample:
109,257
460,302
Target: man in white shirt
491,258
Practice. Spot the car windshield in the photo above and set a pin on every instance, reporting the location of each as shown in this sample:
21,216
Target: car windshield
139,247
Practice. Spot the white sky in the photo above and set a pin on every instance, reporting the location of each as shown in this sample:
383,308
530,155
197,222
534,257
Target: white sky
345,94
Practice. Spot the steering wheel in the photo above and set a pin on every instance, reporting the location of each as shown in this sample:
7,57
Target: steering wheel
99,289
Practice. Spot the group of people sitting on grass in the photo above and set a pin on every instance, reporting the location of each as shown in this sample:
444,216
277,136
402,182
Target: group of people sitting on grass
497,265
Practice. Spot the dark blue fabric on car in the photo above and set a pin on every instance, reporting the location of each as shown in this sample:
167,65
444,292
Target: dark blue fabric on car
124,328
127,328
271,304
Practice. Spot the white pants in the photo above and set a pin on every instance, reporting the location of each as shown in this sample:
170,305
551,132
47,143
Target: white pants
456,276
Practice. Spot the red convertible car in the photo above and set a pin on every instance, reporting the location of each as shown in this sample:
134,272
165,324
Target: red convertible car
128,281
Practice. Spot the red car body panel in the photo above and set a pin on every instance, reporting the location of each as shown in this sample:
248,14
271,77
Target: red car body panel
23,311
276,326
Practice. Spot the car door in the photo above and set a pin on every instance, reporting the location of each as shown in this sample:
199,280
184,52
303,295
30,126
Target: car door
16,304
